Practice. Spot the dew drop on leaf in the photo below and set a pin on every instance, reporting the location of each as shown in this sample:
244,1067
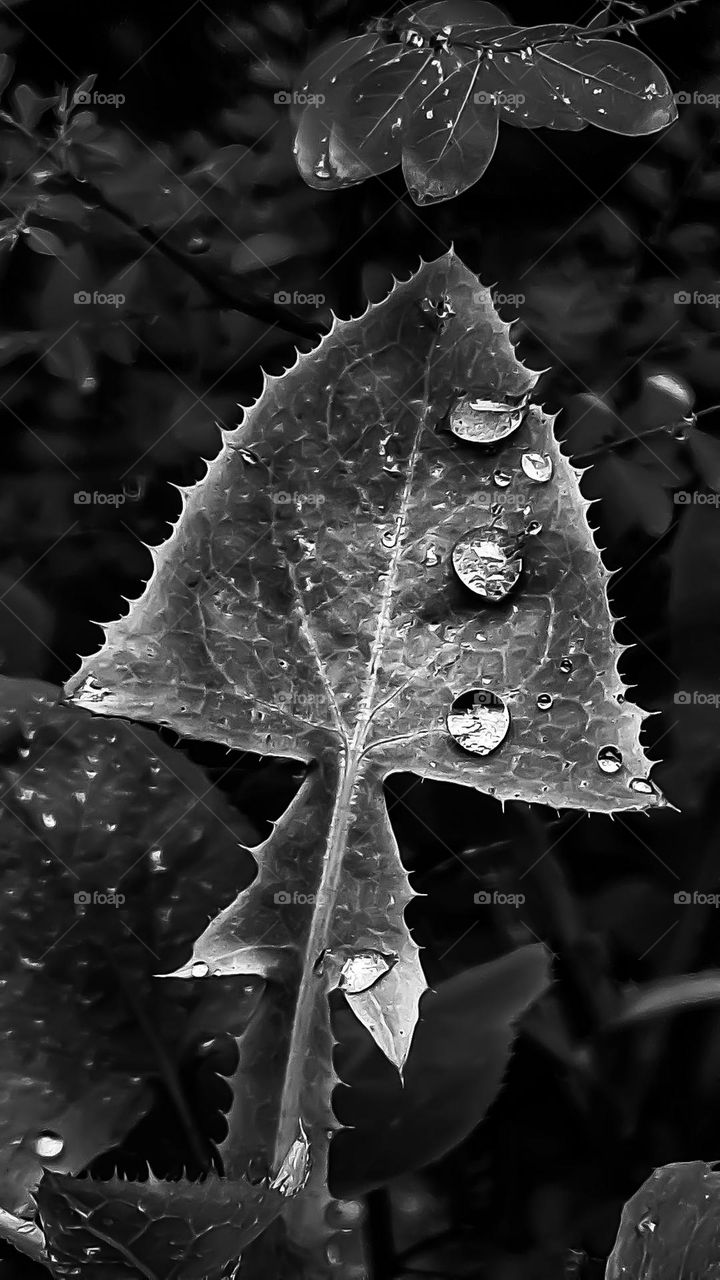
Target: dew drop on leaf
47,1145
609,759
642,785
566,665
295,1168
484,421
478,721
364,969
537,466
200,969
544,701
431,557
533,528
501,478
487,562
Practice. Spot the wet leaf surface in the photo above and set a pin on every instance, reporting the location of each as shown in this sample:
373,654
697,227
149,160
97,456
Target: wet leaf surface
669,1228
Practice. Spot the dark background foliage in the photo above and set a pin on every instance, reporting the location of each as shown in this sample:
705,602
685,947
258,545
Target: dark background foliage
597,235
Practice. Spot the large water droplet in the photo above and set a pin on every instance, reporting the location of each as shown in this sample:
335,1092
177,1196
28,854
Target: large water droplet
487,562
544,701
481,420
501,478
478,721
609,759
200,969
537,466
364,969
47,1145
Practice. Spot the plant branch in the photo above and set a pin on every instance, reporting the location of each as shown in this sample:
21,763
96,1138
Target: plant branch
626,24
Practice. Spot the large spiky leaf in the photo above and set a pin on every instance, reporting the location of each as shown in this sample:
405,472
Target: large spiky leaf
669,1228
306,605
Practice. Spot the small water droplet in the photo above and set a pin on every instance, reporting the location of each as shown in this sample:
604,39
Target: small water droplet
537,466
431,557
533,528
566,665
200,969
362,970
250,458
487,562
642,785
483,420
295,1168
544,701
501,478
646,1225
26,1228
609,759
47,1145
478,721
321,170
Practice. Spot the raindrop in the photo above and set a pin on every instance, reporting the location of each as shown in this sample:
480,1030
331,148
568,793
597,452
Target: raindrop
544,701
431,557
642,785
501,478
609,759
537,466
478,721
26,1228
362,970
47,1145
295,1168
321,170
533,528
485,421
200,969
487,562
249,457
646,1225
566,665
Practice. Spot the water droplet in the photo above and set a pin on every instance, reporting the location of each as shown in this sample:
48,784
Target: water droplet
485,421
609,759
26,1228
533,528
47,1145
537,466
487,562
642,785
249,457
501,478
646,1225
48,820
295,1168
200,969
362,970
90,690
544,701
321,170
478,721
431,557
566,665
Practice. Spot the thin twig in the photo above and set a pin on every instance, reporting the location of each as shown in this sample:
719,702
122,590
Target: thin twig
626,24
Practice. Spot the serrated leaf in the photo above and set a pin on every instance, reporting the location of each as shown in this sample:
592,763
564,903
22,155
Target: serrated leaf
610,85
91,810
306,605
669,1229
154,1229
455,1070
